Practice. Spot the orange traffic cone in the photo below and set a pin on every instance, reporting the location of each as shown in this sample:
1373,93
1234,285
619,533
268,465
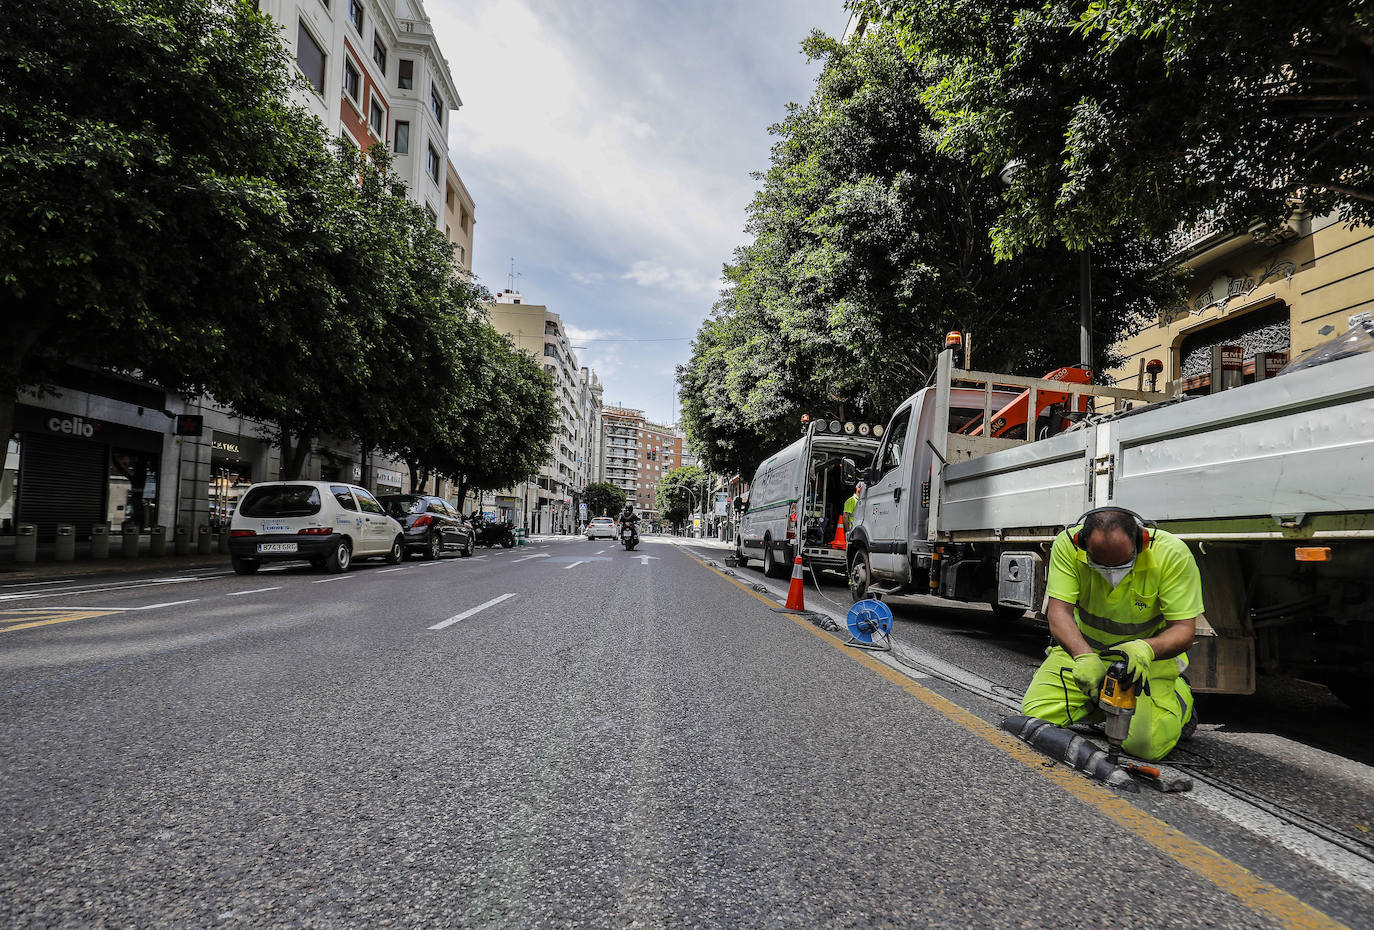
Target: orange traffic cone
838,542
796,590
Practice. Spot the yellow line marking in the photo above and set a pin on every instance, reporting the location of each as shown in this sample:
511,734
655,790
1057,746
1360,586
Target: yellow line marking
61,618
1202,860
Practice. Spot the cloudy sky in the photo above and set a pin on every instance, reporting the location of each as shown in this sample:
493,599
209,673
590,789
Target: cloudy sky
608,145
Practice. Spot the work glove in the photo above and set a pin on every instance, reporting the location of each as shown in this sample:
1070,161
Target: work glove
1138,655
1088,672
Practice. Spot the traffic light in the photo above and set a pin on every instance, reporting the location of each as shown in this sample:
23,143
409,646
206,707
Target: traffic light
189,425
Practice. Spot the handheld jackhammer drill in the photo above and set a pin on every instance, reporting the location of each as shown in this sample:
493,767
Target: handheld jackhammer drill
1117,700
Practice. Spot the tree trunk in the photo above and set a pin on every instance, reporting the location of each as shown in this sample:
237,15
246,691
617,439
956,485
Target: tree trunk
8,402
460,491
424,479
293,456
414,468
365,464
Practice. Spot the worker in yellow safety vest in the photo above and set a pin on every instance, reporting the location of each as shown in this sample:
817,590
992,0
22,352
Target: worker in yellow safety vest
1116,582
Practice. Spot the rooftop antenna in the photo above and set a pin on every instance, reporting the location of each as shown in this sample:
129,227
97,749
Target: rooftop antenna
511,275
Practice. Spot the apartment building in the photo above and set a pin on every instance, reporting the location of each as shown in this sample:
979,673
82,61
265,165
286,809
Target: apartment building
636,453
376,74
552,503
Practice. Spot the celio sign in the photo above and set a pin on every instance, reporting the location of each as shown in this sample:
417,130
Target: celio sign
73,426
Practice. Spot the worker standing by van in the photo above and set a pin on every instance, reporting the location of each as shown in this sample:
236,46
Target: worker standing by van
1116,582
850,506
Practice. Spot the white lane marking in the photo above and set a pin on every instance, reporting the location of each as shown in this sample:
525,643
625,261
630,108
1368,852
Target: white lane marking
599,551
190,600
95,589
468,613
528,557
575,564
423,565
644,559
327,580
30,584
385,570
254,591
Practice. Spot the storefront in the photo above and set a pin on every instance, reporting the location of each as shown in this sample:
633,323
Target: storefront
67,468
386,481
234,462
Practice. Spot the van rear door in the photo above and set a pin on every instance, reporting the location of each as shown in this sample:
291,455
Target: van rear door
885,505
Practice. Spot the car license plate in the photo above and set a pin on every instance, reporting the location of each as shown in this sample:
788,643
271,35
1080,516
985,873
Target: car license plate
276,547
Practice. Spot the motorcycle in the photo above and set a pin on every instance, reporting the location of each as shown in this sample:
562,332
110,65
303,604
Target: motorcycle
629,537
491,533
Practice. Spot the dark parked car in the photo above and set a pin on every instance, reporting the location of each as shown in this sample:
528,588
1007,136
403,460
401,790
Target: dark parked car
431,524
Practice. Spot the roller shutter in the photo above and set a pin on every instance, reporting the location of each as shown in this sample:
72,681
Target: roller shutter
62,481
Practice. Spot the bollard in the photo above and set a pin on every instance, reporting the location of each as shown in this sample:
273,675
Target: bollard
181,544
203,539
157,541
223,547
66,542
129,539
100,541
520,536
26,543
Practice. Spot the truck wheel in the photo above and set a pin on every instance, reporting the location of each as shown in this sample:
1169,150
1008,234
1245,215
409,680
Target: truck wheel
772,567
340,557
740,554
1007,613
860,574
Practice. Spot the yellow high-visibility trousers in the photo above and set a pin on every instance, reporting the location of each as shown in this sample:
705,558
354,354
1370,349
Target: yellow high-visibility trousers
1053,695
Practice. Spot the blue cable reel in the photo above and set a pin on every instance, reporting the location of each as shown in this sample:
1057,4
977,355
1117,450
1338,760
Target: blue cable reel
870,625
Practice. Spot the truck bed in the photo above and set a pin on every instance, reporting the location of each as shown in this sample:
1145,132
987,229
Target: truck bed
1292,456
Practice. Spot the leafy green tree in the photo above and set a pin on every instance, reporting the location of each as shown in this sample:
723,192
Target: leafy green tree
1137,115
604,499
675,504
869,243
147,154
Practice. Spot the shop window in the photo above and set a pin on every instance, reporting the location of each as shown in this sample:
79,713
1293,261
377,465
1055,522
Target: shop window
9,486
132,494
229,478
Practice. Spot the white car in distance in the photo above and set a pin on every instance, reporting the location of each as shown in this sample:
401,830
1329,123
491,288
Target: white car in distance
601,526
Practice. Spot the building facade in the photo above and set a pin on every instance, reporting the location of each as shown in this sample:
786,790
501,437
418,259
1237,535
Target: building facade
460,216
552,502
636,453
1271,293
103,448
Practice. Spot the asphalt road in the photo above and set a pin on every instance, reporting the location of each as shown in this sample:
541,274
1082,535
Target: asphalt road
566,735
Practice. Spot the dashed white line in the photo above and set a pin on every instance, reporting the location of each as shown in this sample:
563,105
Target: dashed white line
254,591
327,580
575,564
385,570
30,584
468,613
191,600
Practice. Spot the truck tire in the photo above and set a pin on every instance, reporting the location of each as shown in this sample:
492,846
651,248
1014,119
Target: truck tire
860,574
1007,613
772,567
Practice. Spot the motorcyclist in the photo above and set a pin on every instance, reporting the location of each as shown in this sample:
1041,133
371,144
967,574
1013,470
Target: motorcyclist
629,518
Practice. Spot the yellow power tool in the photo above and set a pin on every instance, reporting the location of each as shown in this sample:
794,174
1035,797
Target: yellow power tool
1117,700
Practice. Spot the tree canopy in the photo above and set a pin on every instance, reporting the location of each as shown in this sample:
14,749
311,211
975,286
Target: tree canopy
1133,116
603,499
675,504
869,241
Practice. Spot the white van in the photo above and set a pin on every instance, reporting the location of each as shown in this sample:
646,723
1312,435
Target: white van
807,483
328,523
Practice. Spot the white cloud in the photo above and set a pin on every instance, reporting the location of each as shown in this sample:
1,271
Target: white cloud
588,277
655,274
579,135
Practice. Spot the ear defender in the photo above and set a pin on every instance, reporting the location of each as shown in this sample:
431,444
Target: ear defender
1143,535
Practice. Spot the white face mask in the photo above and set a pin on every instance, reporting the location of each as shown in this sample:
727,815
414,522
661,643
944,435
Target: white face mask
1114,574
